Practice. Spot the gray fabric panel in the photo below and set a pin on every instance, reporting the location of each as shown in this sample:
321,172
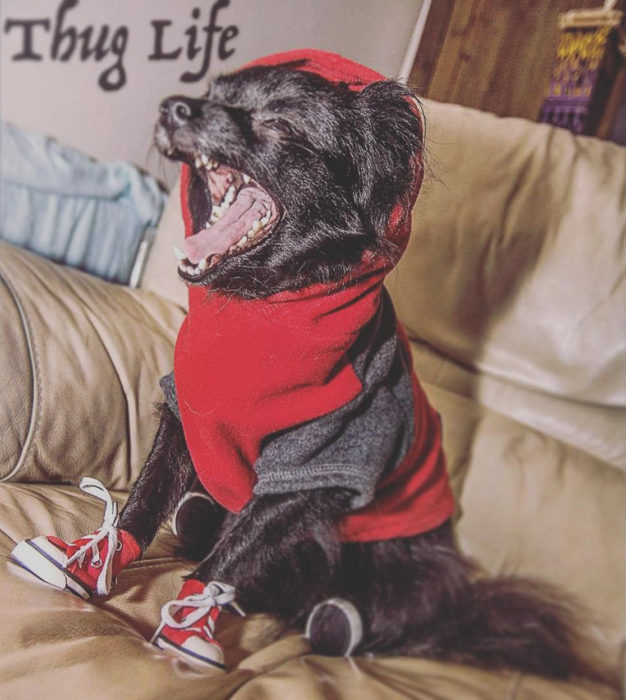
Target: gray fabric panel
354,446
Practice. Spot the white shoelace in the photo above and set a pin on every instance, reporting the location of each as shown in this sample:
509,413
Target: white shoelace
108,531
214,594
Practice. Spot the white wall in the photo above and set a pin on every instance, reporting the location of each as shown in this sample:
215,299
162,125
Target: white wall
64,98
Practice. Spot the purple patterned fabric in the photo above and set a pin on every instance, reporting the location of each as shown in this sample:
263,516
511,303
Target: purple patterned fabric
576,79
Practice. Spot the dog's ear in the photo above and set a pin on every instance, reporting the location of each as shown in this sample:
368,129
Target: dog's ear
389,150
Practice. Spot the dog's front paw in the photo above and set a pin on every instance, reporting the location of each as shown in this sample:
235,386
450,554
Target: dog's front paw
46,558
87,565
188,623
82,567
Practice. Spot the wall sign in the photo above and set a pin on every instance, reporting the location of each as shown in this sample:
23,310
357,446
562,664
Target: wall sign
92,73
60,38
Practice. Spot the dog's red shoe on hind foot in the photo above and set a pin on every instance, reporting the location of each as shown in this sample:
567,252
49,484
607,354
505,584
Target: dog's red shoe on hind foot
87,565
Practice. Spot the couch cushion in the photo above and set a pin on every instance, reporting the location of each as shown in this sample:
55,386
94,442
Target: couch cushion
593,429
79,372
516,263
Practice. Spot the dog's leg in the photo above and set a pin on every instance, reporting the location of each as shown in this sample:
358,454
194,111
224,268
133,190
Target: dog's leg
280,552
278,555
401,586
90,563
166,476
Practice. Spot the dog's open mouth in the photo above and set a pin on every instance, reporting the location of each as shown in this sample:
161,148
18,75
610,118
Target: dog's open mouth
230,212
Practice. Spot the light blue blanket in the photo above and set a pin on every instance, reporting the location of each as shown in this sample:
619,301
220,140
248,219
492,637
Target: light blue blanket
57,202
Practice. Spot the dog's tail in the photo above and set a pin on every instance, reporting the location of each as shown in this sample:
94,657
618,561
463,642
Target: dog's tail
513,623
437,606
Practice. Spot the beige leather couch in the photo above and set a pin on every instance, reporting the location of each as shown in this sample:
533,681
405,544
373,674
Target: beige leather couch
513,294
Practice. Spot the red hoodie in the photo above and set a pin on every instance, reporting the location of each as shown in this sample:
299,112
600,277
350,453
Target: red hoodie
314,388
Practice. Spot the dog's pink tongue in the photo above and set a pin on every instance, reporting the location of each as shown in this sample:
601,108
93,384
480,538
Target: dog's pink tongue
235,223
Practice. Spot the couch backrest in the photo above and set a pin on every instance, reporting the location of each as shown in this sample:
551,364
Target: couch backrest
516,261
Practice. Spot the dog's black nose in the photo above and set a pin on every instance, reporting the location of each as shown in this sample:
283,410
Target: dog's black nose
178,111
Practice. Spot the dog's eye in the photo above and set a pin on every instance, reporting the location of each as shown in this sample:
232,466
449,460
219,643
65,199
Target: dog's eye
281,126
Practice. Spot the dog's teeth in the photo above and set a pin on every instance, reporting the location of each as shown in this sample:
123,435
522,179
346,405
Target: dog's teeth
202,265
179,253
246,178
205,159
219,209
266,218
198,162
255,228
230,195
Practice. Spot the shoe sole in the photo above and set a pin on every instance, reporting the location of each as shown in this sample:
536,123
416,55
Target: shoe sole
187,497
46,562
351,617
188,655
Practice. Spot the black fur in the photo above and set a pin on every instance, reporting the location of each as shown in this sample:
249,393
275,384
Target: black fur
335,161
166,476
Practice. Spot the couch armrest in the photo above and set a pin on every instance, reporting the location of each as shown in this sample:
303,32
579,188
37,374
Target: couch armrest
79,372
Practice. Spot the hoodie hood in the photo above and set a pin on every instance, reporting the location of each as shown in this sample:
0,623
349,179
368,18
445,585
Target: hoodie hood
337,69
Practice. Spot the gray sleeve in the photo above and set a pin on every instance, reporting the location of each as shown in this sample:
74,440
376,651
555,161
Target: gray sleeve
168,386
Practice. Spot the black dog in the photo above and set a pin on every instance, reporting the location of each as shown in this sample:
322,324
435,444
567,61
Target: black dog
335,162
291,182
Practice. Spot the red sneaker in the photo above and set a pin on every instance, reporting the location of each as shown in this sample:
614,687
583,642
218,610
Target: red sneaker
87,565
188,623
